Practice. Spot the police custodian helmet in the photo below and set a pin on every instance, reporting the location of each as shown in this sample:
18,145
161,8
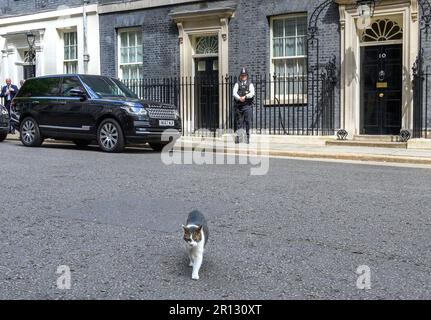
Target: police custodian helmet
244,72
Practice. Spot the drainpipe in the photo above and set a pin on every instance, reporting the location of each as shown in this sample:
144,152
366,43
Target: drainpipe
86,56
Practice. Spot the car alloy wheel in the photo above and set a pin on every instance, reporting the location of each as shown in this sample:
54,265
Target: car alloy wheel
30,134
110,136
28,131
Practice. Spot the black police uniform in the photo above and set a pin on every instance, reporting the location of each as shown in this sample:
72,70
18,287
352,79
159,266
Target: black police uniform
244,110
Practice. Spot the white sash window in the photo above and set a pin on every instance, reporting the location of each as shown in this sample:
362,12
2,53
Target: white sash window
289,54
70,52
130,54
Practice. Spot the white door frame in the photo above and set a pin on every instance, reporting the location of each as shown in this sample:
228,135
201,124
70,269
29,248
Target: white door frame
191,25
350,60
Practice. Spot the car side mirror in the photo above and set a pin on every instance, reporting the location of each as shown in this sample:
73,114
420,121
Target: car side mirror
78,93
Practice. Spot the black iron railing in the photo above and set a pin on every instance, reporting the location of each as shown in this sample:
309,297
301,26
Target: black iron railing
301,104
421,101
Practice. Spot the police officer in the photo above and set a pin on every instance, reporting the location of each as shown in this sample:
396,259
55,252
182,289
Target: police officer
243,93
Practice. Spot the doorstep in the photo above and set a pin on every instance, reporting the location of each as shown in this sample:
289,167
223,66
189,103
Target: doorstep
268,139
372,144
318,152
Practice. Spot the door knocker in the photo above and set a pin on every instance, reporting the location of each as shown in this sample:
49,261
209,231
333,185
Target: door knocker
382,75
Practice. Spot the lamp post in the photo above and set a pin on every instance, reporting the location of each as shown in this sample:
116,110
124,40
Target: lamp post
366,8
365,12
31,54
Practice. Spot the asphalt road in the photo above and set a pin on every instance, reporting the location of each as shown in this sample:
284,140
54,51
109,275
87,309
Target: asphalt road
299,232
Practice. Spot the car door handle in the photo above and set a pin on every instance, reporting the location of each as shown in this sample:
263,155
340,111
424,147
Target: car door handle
62,102
35,102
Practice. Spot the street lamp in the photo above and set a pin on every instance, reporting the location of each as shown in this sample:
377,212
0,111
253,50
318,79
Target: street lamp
366,8
31,53
365,12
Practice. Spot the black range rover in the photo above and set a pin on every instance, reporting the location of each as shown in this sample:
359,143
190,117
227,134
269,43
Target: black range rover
4,123
83,108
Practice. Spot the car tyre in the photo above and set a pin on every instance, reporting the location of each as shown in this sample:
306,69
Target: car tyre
3,136
157,146
81,143
30,133
110,136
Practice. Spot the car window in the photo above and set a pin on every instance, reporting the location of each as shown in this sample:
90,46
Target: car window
107,88
70,83
41,87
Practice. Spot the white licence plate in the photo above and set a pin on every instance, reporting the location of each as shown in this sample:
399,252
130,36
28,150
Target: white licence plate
166,123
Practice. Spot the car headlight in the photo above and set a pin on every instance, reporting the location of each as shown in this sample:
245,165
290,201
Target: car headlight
177,114
137,111
4,111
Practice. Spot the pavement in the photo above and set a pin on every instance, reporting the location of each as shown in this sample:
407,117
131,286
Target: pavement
299,232
316,151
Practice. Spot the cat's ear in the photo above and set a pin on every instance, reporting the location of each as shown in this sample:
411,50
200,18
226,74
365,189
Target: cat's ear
184,227
199,228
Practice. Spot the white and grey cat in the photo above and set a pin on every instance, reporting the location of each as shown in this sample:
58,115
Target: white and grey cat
196,236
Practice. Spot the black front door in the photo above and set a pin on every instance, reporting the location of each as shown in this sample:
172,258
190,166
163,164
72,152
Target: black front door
381,89
207,93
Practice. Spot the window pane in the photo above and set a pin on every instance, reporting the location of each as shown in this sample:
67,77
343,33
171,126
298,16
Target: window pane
302,67
135,54
290,47
290,27
131,55
278,26
123,55
300,46
134,72
47,87
302,26
278,47
291,67
71,67
132,39
70,83
73,54
279,67
140,57
123,36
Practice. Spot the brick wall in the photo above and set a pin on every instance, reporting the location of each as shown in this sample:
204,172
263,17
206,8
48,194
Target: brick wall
160,39
22,7
249,35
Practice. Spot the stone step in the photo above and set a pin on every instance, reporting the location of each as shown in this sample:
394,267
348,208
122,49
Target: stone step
377,138
374,144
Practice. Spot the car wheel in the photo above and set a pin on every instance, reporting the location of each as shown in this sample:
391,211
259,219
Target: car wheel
157,146
81,142
110,136
30,133
3,136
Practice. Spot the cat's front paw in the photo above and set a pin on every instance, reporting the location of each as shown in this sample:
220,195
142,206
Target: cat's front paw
195,277
191,264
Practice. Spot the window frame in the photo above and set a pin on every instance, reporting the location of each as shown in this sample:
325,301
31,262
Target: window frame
139,64
61,94
293,98
76,45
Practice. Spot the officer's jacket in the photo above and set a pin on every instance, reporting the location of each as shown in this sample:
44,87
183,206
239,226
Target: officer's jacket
244,89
